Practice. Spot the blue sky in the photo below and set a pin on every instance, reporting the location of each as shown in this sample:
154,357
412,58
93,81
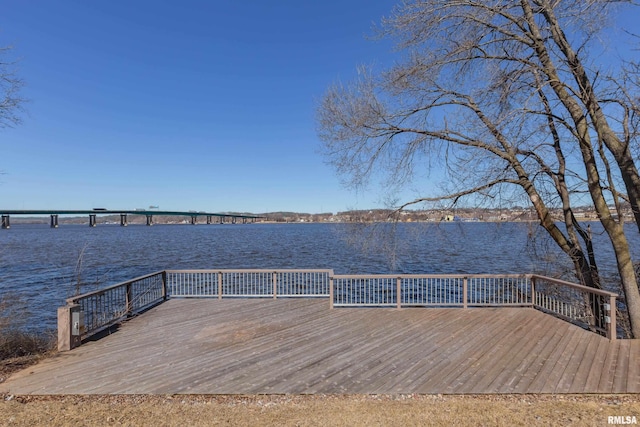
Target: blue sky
187,105
191,105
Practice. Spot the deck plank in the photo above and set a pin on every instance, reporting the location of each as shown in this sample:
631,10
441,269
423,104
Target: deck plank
586,365
445,359
519,361
501,353
571,365
443,356
237,346
608,368
593,379
633,376
531,364
552,366
622,366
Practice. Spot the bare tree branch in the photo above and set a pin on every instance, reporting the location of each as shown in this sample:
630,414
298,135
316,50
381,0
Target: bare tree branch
500,95
11,103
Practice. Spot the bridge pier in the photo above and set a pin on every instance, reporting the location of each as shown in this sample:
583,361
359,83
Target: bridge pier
92,220
208,219
54,221
5,222
194,219
123,220
233,220
149,220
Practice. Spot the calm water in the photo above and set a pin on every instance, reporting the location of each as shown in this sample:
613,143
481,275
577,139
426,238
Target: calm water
42,266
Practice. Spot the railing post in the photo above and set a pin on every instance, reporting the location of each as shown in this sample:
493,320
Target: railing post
331,292
69,327
128,300
398,292
219,284
465,292
612,329
164,286
274,278
533,291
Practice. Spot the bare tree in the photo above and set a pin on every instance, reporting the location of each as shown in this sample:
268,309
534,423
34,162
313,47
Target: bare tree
506,96
10,84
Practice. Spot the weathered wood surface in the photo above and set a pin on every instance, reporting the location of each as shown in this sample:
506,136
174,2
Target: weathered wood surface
238,346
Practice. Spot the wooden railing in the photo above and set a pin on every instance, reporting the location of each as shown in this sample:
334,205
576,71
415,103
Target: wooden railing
89,313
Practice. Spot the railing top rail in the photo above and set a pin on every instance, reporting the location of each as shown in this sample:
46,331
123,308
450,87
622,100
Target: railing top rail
596,291
430,276
254,270
74,299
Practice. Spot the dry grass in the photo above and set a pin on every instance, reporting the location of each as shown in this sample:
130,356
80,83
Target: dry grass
316,410
15,340
16,343
19,348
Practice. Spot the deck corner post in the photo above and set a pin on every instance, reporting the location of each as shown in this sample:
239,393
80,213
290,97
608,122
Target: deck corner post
465,291
331,292
398,292
69,325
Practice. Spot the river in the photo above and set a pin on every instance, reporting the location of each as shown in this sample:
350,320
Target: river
41,266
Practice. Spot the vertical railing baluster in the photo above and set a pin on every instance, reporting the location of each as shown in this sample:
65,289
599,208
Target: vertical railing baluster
331,292
612,328
275,285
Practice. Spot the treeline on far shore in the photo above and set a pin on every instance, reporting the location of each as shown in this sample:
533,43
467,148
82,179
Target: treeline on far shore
370,215
430,215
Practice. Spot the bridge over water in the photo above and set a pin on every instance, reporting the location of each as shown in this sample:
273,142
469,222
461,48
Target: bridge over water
220,218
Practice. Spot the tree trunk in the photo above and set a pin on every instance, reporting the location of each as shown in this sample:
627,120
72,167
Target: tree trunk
627,274
618,148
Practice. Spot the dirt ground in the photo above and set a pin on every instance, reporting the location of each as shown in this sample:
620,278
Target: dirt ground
311,410
316,410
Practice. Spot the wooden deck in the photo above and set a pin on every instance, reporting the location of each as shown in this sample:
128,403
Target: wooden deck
247,346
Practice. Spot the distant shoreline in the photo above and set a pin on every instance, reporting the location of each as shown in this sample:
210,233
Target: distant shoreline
160,221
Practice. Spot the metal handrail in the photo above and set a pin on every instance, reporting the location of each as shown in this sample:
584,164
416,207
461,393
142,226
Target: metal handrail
462,296
248,283
74,299
108,306
602,311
